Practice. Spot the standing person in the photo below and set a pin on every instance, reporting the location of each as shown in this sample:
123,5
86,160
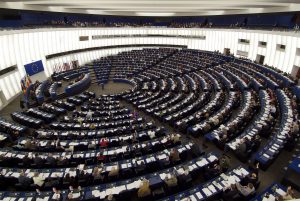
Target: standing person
102,85
22,104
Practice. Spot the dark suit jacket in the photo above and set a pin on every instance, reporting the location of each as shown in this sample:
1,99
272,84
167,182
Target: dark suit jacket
24,181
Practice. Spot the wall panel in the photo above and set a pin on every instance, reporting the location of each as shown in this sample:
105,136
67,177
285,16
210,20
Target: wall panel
24,46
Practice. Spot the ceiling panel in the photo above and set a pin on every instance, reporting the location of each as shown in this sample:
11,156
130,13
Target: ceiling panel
156,7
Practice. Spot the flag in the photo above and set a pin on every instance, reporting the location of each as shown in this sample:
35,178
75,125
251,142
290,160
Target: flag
66,66
23,86
34,68
28,79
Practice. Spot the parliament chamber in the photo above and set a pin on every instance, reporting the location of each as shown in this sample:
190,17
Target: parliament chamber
96,107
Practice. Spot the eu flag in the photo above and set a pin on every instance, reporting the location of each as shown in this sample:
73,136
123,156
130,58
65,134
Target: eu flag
34,68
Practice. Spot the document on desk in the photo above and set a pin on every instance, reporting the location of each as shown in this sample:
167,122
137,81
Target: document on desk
207,192
96,193
148,160
238,172
224,176
218,185
212,188
199,195
15,174
56,174
244,171
161,157
180,171
202,163
280,191
132,185
30,174
9,199
212,158
270,198
42,199
192,198
124,165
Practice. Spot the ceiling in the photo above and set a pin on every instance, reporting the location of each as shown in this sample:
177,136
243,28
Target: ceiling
155,7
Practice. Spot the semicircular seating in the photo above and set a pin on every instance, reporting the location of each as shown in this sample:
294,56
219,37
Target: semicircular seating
152,134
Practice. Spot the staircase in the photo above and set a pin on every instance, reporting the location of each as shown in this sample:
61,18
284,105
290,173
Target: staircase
92,75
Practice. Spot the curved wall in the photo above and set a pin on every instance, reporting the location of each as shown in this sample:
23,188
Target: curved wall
20,47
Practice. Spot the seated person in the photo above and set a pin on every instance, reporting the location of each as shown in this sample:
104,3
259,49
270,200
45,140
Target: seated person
74,194
69,149
114,171
101,157
251,178
97,173
57,194
134,137
83,175
38,160
245,190
223,139
26,161
213,171
184,176
51,160
256,141
175,138
289,195
38,180
196,149
62,161
92,126
110,197
140,167
241,148
174,155
231,193
28,144
144,189
104,142
23,180
151,134
224,163
70,179
171,181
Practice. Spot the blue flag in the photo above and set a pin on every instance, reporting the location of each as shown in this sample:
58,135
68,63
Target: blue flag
34,68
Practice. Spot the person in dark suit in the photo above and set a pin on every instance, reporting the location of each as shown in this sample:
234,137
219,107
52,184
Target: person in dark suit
56,194
231,193
171,181
74,194
62,161
242,148
22,104
212,171
248,143
224,163
196,150
38,160
26,161
51,160
252,178
245,190
110,197
174,155
23,180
